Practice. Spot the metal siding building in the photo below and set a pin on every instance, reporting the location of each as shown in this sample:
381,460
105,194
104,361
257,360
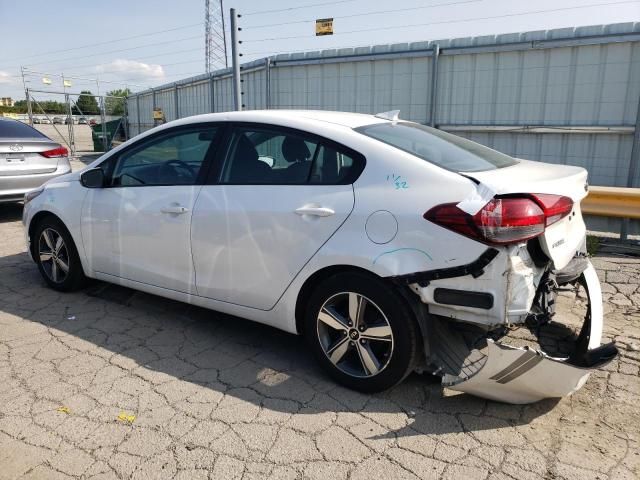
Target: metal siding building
560,96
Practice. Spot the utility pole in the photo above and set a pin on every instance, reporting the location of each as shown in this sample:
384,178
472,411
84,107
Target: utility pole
28,97
72,142
237,92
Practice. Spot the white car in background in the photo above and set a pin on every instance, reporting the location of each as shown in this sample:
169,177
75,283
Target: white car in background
391,246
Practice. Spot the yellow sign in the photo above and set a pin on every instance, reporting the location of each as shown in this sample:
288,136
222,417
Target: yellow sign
157,114
324,26
67,83
46,80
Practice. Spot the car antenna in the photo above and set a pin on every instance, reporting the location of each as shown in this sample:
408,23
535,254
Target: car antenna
390,115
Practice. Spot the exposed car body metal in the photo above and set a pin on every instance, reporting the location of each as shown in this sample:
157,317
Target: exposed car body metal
380,228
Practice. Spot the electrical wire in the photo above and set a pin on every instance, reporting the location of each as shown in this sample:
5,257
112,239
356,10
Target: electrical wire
115,72
190,50
119,50
378,12
59,60
87,80
261,12
157,32
508,15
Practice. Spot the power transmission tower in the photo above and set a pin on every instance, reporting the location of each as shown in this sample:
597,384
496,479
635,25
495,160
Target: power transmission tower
215,38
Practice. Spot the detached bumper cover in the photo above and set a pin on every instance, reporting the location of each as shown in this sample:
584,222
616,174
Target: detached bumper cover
525,375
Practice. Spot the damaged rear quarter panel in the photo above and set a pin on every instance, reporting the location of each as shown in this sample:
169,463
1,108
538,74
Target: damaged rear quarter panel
405,187
511,278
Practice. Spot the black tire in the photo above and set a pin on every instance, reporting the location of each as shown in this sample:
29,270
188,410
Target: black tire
75,278
405,343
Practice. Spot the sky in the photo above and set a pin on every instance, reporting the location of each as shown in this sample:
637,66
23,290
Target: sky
144,43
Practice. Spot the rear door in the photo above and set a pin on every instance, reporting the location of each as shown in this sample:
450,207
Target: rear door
277,197
25,151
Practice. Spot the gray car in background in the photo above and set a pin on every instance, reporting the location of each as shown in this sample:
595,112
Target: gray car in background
27,159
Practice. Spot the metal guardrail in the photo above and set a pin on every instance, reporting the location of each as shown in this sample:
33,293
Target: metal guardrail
612,202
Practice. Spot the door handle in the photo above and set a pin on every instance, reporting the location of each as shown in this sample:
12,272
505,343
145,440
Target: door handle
175,209
315,210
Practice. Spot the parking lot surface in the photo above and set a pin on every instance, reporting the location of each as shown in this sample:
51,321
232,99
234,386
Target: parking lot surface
108,383
59,133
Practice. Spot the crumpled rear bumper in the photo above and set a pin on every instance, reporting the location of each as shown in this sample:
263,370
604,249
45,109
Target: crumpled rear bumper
525,375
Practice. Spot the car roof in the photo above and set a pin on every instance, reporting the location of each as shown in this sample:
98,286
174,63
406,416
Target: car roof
346,119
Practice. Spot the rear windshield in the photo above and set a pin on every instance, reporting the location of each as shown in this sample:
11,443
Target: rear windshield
440,148
15,129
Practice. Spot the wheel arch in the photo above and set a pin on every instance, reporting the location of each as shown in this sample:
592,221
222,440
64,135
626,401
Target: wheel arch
316,278
37,218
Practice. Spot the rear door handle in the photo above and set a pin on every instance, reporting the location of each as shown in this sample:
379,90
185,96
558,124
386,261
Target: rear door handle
175,209
315,210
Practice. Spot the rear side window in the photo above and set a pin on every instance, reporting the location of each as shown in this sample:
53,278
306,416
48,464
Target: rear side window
440,148
15,129
274,156
332,167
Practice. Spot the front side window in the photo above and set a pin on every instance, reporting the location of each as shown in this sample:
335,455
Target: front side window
275,157
175,158
440,148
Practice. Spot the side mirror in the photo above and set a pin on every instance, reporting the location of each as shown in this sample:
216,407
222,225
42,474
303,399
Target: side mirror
93,178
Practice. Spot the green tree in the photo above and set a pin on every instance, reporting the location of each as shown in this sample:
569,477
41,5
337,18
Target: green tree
21,106
39,107
87,104
115,106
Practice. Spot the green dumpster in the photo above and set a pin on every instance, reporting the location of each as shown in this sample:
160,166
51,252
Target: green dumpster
113,130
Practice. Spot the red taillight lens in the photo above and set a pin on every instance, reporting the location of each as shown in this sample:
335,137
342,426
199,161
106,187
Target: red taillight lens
56,152
504,220
555,207
508,220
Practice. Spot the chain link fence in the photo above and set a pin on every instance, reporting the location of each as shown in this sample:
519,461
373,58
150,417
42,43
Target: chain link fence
82,122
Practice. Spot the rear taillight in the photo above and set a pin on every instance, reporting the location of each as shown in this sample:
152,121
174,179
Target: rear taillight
503,220
55,152
555,207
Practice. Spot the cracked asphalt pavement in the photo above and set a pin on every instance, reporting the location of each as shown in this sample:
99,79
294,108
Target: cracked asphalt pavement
108,383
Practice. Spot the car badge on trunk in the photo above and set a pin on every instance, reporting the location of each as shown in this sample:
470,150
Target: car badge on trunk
15,148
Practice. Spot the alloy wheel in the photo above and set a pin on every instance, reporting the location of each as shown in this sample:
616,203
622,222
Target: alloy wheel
53,255
355,334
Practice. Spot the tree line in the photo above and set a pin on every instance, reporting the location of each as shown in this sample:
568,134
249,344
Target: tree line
85,104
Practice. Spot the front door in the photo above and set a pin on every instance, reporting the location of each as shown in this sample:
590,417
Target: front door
279,197
137,227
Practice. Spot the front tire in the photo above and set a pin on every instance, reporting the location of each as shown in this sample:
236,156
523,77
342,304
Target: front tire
56,256
361,331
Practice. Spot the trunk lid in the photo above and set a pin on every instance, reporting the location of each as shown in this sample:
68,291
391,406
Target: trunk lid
563,239
22,157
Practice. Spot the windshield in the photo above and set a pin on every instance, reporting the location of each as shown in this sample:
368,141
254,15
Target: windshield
440,148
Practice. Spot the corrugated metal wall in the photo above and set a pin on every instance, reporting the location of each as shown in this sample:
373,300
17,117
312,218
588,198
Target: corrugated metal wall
584,77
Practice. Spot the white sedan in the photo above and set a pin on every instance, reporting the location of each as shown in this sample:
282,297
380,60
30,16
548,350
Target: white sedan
390,246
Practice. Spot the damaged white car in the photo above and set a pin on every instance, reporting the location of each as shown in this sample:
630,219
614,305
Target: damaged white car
391,246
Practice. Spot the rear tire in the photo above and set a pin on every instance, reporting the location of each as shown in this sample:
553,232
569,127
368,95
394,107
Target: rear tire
361,331
56,255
